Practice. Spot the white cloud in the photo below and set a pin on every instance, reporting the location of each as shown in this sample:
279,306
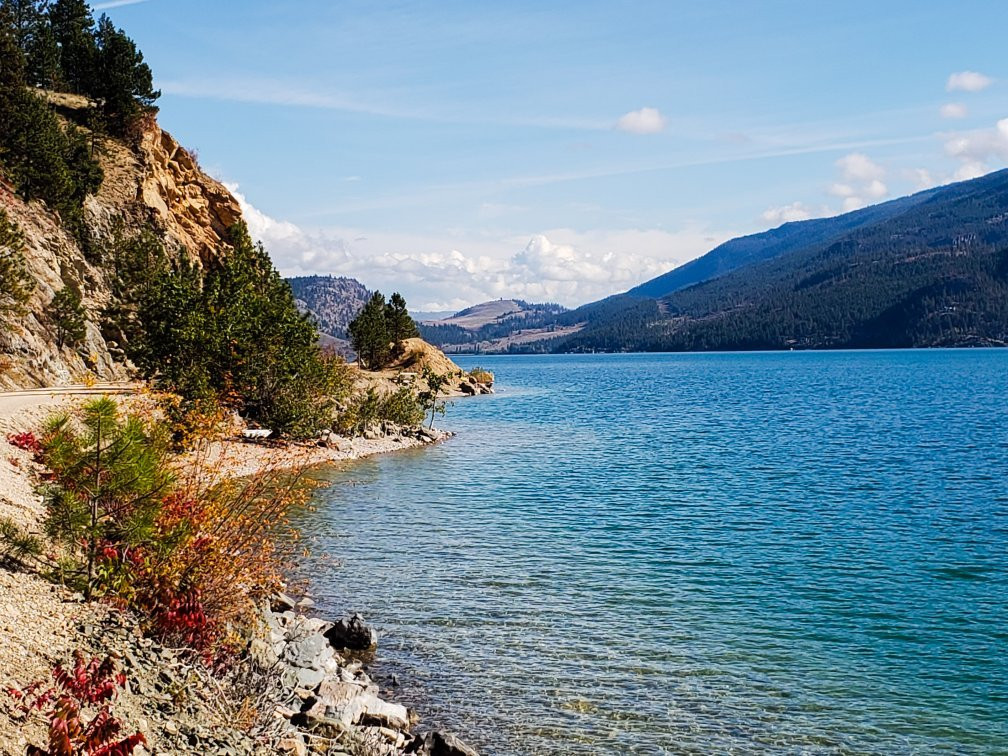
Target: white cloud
796,211
976,150
860,181
643,121
968,81
115,4
444,273
859,167
953,110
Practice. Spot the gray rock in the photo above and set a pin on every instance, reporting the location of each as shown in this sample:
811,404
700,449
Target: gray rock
352,633
311,651
308,678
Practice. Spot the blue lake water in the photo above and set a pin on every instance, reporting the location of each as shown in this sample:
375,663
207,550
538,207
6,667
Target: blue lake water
757,553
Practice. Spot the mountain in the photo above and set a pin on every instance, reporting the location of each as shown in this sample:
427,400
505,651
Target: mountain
925,270
332,301
790,237
495,326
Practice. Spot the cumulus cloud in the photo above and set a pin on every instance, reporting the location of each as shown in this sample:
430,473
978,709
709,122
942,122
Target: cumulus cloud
953,110
968,81
449,273
976,150
860,181
796,211
643,121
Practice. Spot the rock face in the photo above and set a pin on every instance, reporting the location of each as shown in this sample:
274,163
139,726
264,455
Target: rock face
157,184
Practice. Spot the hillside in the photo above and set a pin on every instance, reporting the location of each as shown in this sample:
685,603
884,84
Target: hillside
154,184
790,237
333,302
495,326
926,270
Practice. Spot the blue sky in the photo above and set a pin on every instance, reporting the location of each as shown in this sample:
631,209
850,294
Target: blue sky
462,151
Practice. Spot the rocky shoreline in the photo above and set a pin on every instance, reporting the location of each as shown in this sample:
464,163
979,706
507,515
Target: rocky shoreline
326,698
302,687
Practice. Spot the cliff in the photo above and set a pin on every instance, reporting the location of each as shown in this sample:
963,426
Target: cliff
155,183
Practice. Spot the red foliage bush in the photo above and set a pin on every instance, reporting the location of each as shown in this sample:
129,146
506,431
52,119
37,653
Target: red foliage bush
26,441
87,683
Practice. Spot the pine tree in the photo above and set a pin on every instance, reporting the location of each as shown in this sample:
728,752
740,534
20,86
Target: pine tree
369,335
73,29
27,17
15,282
67,313
43,55
398,322
112,474
123,83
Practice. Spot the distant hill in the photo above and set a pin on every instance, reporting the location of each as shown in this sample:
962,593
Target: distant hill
925,270
494,326
332,301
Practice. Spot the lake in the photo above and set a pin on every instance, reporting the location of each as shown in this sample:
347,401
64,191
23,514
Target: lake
760,552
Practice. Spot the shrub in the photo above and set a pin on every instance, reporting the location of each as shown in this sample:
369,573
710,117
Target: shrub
189,553
90,685
373,406
26,441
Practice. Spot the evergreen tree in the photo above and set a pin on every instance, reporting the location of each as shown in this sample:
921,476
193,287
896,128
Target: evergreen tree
67,313
398,322
73,28
15,282
235,335
369,335
12,60
43,55
112,474
123,83
26,18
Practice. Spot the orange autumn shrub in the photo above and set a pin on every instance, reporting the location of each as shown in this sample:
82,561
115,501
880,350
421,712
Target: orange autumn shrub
214,547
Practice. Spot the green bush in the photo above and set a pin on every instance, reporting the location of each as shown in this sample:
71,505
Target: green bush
373,407
234,334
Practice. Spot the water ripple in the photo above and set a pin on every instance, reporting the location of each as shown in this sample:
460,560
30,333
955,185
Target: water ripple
770,553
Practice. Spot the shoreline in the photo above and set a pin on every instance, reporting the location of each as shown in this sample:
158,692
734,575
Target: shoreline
51,622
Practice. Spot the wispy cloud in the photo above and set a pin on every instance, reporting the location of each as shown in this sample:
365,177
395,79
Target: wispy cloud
953,110
643,121
968,81
267,91
115,4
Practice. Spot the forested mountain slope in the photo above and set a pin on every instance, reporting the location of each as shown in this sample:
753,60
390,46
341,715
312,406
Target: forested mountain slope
332,301
928,270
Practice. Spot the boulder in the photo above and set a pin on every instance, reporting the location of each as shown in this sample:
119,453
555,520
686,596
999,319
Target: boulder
439,744
352,633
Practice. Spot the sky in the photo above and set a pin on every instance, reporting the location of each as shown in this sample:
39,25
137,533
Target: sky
459,151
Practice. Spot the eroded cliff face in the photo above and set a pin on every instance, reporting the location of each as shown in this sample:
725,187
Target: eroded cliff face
158,184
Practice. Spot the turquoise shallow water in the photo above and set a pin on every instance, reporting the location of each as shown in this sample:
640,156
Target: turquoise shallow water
755,553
